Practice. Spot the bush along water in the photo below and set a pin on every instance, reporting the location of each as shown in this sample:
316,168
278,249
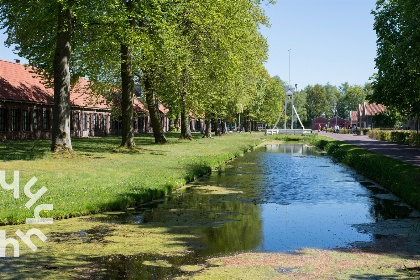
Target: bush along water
411,138
403,179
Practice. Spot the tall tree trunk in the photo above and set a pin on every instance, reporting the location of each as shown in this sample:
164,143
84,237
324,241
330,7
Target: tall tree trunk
153,107
207,131
224,126
171,125
185,118
61,114
217,131
176,123
127,98
247,123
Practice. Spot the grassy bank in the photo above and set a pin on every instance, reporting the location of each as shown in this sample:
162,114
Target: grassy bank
401,178
102,177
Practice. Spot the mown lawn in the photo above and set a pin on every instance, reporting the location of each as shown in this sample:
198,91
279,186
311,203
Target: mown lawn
101,177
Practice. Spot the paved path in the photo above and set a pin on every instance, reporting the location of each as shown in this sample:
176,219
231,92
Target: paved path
404,153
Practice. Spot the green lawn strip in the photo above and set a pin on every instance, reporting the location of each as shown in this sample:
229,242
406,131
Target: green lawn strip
401,178
101,177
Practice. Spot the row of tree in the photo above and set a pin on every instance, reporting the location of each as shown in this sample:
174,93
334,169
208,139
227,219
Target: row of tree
200,57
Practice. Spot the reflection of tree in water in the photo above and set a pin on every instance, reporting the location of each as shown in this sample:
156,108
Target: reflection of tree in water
384,209
225,225
241,235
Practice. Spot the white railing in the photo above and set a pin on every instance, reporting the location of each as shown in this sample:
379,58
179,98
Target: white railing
287,131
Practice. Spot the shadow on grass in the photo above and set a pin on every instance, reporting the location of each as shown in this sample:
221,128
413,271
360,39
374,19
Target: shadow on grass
36,149
24,150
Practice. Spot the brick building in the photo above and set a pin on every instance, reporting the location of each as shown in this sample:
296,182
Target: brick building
26,105
364,116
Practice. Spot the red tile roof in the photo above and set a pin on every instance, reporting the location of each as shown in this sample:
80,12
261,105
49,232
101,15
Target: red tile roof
163,109
17,82
373,108
361,109
354,116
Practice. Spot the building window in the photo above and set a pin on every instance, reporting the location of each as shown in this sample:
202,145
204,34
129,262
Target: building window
100,121
141,124
84,122
26,120
3,115
77,122
36,116
72,120
46,120
95,121
15,119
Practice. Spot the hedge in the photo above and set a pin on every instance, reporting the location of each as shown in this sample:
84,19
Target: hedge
411,138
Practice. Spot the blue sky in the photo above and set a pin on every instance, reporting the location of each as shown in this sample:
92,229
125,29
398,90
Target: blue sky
330,41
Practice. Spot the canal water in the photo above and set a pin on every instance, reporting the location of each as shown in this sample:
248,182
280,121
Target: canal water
278,198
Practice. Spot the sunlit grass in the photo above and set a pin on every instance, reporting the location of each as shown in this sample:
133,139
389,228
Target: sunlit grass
104,177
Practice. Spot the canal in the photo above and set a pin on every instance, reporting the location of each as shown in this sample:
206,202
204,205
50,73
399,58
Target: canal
278,198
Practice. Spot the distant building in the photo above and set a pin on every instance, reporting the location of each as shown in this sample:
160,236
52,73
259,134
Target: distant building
26,106
319,122
342,123
322,122
366,113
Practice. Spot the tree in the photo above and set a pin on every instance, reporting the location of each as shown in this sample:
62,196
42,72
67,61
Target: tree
273,101
300,105
397,82
354,95
122,52
332,97
42,31
316,99
386,119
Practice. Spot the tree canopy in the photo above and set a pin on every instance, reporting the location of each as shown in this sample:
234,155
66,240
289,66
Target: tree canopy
397,83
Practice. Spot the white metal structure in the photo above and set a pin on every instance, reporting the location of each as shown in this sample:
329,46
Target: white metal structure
288,98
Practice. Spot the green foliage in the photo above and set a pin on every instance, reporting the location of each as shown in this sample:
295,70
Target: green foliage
401,178
332,96
397,82
411,138
273,100
315,101
387,119
299,101
102,177
350,100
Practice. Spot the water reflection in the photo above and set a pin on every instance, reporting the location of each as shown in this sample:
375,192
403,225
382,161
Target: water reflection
275,199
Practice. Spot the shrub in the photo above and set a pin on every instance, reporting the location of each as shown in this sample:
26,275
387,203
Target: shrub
411,138
414,139
373,134
401,178
400,137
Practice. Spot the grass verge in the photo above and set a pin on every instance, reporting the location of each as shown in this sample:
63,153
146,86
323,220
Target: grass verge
102,177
